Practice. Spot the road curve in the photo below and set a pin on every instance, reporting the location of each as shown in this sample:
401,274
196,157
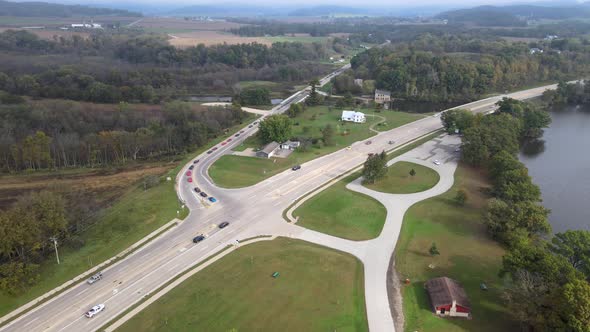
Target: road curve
252,211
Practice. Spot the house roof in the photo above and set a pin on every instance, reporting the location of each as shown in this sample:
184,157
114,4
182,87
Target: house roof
270,147
351,114
292,143
443,291
382,92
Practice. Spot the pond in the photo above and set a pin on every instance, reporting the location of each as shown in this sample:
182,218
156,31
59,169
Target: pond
560,164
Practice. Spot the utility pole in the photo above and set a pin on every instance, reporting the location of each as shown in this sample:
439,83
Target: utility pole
54,239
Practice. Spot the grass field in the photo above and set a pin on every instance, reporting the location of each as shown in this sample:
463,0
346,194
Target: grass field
341,212
467,255
239,171
318,289
399,180
134,215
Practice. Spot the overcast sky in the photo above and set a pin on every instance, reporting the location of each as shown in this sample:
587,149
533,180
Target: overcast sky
356,3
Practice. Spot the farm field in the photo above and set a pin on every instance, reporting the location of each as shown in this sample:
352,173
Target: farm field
318,289
55,22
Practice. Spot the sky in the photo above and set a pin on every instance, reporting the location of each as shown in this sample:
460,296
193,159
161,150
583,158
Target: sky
291,3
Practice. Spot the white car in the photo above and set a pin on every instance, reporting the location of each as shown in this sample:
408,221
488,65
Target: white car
436,162
94,310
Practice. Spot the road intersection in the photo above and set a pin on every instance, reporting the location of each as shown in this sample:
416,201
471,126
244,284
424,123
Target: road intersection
252,211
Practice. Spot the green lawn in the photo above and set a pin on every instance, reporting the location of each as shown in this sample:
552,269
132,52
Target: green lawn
341,212
399,180
135,215
318,289
299,39
239,171
467,255
393,119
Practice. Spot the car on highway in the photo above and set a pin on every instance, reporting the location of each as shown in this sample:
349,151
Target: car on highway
241,131
189,173
250,126
215,148
94,278
223,143
236,135
190,180
391,142
197,190
198,238
436,162
94,310
210,152
223,224
255,123
296,167
229,140
212,199
368,142
203,194
191,167
196,161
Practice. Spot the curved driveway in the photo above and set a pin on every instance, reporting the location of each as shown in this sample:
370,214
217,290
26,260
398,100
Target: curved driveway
252,211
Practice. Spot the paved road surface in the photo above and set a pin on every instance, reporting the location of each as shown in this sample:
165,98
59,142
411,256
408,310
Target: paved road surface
251,211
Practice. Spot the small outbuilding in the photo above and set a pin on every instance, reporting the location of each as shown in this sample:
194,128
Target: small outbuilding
269,150
290,145
352,116
448,298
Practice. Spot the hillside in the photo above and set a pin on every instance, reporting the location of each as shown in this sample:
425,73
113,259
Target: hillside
515,15
45,9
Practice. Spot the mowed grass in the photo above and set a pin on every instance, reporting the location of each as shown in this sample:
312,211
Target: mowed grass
318,289
467,255
134,215
393,119
343,213
241,171
399,181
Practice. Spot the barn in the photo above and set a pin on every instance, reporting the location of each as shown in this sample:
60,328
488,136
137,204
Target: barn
448,298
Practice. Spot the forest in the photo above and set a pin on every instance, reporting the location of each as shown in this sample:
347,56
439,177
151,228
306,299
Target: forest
459,69
132,67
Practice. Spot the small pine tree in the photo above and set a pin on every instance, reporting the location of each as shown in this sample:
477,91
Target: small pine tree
412,172
461,197
433,250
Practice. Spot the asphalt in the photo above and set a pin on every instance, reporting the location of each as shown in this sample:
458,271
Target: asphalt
252,211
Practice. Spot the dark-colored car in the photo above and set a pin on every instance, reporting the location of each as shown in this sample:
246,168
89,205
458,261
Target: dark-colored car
215,148
255,123
196,161
191,167
223,224
236,135
203,194
212,199
210,152
250,126
296,167
197,190
198,238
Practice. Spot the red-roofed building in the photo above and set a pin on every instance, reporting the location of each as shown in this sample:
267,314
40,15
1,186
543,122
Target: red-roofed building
448,297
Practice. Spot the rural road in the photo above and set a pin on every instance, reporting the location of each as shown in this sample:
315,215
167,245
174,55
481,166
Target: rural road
252,211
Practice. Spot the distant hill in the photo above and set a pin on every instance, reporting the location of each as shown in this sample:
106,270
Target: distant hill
328,10
45,9
515,15
233,10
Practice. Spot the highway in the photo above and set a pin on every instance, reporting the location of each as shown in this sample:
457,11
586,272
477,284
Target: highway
252,211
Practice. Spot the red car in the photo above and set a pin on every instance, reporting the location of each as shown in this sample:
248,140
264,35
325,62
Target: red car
215,148
190,179
224,143
189,173
229,139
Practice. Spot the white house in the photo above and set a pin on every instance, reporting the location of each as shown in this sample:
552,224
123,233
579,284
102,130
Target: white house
352,116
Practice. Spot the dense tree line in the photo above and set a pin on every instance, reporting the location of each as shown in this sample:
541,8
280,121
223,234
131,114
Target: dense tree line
568,93
254,96
455,69
549,288
143,68
45,9
67,134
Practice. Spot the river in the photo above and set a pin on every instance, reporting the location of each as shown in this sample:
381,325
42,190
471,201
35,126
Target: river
560,164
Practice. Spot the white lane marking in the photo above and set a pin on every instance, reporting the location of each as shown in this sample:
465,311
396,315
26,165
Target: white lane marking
173,267
82,291
30,322
278,202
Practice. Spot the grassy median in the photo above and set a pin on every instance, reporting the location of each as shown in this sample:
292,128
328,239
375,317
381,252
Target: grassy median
341,212
240,171
467,255
399,180
318,289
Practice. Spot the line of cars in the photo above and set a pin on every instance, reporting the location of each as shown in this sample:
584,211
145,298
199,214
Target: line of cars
202,237
213,149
